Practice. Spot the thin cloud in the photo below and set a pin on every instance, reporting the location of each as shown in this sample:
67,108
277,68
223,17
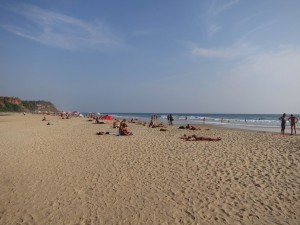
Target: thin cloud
236,51
245,20
218,7
59,30
258,29
267,80
213,28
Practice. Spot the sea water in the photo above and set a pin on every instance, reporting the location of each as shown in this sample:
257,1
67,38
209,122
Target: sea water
259,122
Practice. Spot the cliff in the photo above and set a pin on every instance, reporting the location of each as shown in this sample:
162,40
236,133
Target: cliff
14,104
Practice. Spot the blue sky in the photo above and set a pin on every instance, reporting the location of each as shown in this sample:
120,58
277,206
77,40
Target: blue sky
205,56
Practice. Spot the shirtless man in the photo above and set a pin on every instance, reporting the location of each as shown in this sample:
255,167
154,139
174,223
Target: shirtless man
283,122
293,120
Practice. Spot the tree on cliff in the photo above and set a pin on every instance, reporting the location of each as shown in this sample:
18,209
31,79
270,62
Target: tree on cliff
12,104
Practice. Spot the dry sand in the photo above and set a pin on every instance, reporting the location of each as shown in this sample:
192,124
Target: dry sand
65,174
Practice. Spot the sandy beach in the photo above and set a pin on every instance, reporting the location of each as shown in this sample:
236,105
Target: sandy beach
66,174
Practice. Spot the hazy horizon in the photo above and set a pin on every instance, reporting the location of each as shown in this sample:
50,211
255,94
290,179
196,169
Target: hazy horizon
230,56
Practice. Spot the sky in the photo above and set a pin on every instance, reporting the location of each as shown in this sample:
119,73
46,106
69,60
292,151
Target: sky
170,56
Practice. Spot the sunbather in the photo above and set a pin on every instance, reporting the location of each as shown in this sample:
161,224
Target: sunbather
190,127
195,138
123,129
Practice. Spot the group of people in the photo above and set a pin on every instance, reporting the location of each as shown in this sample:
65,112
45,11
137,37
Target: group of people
170,119
153,123
123,131
292,119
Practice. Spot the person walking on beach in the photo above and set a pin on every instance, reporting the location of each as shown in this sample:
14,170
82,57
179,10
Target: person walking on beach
293,120
283,122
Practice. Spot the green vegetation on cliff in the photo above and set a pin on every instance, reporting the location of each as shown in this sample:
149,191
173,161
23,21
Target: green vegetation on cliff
8,106
12,104
39,105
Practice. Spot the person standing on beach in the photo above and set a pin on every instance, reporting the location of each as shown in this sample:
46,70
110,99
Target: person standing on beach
283,122
293,120
171,119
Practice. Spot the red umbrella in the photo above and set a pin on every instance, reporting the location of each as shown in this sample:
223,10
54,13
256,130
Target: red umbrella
107,117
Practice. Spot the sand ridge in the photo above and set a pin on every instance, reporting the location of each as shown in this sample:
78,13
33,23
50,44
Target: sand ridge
66,174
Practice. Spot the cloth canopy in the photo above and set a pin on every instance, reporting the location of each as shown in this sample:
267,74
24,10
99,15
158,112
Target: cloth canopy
107,117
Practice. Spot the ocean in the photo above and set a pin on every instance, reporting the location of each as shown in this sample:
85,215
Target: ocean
259,122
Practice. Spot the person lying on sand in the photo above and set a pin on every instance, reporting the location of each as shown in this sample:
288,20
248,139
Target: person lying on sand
190,127
157,125
141,123
132,120
195,138
102,133
97,120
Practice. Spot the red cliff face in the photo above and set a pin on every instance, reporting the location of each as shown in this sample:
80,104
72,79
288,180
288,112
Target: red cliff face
12,100
16,101
14,104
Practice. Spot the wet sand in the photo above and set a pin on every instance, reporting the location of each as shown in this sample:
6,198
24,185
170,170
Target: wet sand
66,174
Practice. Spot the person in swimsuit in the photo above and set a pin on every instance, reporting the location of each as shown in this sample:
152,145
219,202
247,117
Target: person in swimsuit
123,129
190,127
293,120
201,138
283,122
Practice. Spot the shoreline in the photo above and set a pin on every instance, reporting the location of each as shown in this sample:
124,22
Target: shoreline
225,126
211,121
184,123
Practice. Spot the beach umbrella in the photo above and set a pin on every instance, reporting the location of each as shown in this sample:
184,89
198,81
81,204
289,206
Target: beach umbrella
107,117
